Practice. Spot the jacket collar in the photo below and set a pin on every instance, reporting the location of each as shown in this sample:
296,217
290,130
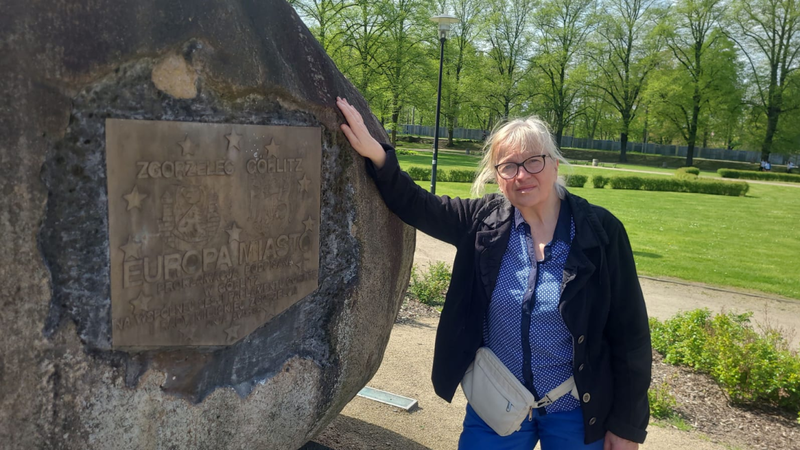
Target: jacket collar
491,240
493,235
589,232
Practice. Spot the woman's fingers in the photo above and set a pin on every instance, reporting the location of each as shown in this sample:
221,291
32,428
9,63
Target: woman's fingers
350,113
357,133
349,135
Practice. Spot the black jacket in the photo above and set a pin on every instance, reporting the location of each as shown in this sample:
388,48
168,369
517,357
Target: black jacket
601,304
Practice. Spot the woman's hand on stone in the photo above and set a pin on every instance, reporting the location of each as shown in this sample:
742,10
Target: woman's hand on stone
358,135
614,442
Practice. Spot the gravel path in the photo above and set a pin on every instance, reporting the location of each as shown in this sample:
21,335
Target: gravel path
436,424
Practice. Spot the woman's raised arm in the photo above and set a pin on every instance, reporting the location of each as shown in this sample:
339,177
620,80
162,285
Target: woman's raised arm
442,217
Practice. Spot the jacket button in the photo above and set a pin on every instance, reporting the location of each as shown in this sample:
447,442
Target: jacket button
580,368
586,397
581,339
592,421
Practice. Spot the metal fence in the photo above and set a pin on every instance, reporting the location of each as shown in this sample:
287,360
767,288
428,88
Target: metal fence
598,144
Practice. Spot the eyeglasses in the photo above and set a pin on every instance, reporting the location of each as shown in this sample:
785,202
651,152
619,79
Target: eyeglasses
532,165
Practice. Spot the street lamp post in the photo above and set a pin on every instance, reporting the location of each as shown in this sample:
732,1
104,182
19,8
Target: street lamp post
444,22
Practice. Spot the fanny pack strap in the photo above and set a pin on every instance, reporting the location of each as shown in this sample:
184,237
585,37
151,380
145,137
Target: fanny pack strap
567,387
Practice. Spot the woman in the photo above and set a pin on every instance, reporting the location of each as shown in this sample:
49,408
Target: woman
541,278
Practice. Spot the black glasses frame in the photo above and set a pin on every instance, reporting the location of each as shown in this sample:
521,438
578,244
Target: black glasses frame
522,164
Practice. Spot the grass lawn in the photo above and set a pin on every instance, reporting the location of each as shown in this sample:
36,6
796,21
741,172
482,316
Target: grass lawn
750,242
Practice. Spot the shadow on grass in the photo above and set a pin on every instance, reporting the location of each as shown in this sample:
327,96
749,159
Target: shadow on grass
646,255
347,433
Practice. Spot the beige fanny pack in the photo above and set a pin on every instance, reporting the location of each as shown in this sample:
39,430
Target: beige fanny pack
499,398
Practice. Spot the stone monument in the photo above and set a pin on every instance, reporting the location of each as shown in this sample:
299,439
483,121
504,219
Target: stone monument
191,255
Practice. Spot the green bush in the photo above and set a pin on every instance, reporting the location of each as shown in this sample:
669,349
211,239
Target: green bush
678,185
693,170
753,175
662,402
460,175
430,287
404,152
751,367
687,173
664,185
419,173
623,182
576,180
424,174
599,181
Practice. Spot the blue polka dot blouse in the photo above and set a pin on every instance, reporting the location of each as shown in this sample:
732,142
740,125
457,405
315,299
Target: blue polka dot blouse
523,326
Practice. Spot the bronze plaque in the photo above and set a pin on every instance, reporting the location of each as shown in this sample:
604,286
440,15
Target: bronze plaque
213,228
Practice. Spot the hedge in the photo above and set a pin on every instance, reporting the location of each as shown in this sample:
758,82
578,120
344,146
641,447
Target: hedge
455,175
753,175
422,173
649,159
576,180
459,175
679,185
599,181
404,152
687,173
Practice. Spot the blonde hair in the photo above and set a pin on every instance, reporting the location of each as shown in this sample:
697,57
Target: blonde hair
522,134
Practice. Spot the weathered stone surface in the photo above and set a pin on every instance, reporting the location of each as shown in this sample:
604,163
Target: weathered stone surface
67,66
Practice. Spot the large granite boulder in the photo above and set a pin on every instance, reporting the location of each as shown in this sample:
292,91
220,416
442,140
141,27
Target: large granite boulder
69,66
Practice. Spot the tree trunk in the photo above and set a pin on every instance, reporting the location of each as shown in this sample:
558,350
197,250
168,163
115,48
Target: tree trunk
450,126
623,147
395,120
773,113
693,126
644,132
623,139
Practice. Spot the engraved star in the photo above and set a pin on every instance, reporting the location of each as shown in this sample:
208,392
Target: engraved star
233,333
188,332
272,146
309,223
186,145
304,183
134,198
132,249
233,140
233,232
140,303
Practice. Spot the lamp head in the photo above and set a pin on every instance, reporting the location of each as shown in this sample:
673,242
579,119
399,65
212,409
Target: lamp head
444,21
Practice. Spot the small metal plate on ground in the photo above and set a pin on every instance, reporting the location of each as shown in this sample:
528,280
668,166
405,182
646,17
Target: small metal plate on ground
213,228
395,400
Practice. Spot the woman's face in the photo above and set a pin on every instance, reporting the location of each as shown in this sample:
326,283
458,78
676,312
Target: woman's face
525,189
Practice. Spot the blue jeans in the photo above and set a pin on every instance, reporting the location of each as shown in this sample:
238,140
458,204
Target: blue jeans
557,431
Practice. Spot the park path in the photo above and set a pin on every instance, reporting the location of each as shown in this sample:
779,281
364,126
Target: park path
436,424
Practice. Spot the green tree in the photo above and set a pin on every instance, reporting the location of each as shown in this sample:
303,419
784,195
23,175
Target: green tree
325,19
402,53
695,103
362,36
767,33
563,27
692,34
460,57
626,52
509,40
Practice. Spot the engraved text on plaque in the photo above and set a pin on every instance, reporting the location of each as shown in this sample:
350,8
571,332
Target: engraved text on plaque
213,228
